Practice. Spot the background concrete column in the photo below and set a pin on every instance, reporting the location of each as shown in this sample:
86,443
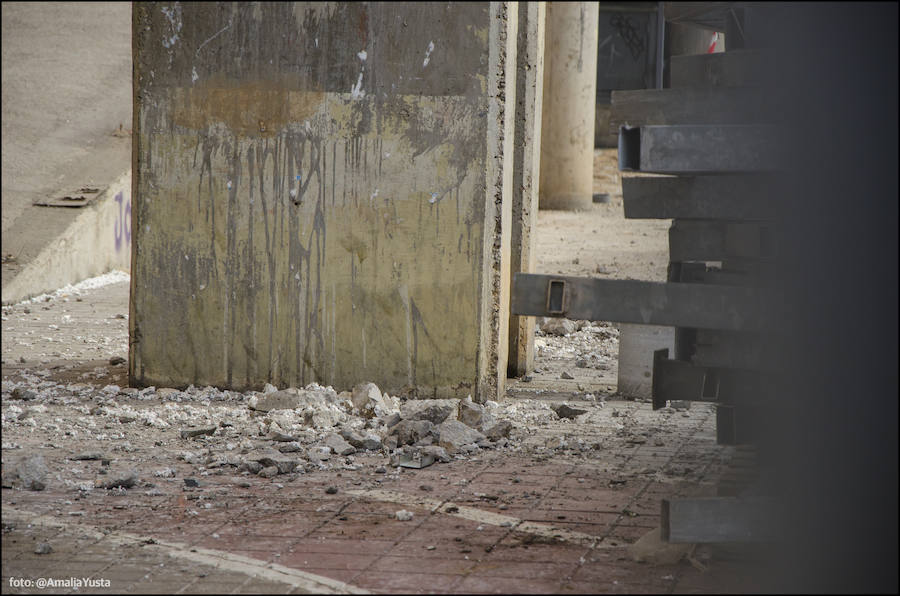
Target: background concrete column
570,89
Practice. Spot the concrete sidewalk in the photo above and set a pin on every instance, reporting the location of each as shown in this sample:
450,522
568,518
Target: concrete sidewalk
66,90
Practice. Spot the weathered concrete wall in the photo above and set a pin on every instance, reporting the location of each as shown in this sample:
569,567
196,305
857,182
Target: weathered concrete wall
97,241
319,193
526,170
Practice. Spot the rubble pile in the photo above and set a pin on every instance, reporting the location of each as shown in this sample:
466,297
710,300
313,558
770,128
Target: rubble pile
270,433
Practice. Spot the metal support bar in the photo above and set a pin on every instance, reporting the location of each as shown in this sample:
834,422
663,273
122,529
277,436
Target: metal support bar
648,303
736,197
698,240
719,519
698,149
679,380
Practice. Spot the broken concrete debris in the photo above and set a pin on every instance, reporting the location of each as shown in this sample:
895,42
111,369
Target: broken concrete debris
566,411
32,472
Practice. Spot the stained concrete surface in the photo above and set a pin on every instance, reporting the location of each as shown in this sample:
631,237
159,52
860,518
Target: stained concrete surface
66,88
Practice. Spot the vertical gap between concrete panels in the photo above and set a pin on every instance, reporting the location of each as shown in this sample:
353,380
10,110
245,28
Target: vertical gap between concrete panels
135,185
526,171
494,344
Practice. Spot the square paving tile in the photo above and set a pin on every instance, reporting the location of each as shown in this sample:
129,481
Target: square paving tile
406,583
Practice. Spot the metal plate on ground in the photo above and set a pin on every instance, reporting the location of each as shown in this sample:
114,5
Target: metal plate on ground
77,198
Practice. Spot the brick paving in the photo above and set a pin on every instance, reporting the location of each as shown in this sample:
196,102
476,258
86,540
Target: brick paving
535,520
354,537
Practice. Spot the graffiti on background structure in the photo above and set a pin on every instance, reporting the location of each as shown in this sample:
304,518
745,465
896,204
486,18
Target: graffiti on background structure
122,229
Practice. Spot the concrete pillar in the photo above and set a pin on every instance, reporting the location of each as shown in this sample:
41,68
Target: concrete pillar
636,346
570,90
526,171
322,193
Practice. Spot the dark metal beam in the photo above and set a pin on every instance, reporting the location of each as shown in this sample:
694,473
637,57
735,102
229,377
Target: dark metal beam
698,240
643,302
678,380
698,149
738,197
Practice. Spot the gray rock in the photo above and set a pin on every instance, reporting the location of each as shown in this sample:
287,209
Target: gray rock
393,420
408,432
23,394
123,479
33,472
287,399
190,433
499,430
339,445
251,466
281,437
272,458
566,411
565,375
582,363
453,434
368,441
390,443
89,456
43,548
268,472
117,360
471,414
435,411
292,447
191,483
556,326
438,453
366,397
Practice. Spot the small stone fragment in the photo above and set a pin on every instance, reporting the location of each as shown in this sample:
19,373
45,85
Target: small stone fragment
23,394
197,432
33,472
565,375
435,411
471,414
43,548
408,432
125,479
404,515
566,411
290,447
338,445
453,434
268,472
499,430
191,483
558,326
117,360
331,490
89,456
